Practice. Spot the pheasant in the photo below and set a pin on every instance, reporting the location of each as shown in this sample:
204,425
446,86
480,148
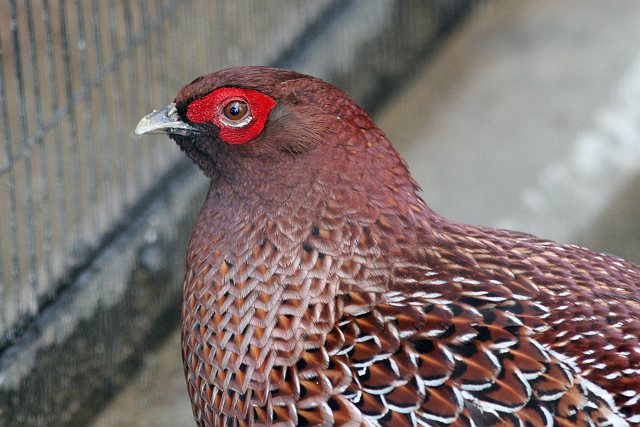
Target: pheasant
320,289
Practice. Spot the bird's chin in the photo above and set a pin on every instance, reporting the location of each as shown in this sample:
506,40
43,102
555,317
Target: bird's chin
194,146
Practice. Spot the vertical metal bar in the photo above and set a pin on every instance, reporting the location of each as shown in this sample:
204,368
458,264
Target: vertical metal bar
148,85
133,98
54,105
167,55
173,58
9,172
117,116
28,188
15,264
205,25
42,163
4,285
189,59
101,117
163,72
75,157
89,142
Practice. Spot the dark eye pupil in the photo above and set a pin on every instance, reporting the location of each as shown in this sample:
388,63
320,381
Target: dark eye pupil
236,110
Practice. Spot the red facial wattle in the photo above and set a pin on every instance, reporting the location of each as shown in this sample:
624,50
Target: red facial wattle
210,109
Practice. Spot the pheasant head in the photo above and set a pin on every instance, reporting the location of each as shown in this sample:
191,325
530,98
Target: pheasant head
279,137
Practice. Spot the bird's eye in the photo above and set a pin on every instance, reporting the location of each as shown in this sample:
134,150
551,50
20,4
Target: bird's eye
236,114
235,110
239,114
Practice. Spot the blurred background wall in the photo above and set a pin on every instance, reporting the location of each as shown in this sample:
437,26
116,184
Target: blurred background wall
522,115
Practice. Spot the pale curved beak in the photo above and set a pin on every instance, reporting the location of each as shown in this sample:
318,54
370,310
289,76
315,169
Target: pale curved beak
164,121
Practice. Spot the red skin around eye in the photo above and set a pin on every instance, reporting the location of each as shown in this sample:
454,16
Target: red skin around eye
209,109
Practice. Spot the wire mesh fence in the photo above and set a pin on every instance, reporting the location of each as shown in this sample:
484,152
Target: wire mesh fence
75,76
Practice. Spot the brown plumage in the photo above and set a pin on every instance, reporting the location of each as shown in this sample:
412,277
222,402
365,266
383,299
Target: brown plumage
321,290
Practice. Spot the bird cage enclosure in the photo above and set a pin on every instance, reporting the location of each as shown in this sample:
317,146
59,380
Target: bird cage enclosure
90,259
75,77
